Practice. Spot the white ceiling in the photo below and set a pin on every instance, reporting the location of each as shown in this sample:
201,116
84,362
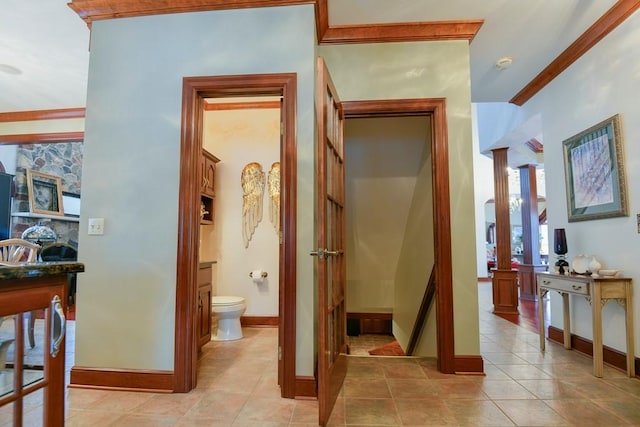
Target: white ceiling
48,42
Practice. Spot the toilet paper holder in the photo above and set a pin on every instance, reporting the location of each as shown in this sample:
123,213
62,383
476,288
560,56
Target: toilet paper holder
263,274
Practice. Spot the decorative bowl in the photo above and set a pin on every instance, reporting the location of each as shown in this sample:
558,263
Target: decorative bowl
607,272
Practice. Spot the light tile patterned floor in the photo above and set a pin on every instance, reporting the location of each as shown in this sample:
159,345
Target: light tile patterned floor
522,387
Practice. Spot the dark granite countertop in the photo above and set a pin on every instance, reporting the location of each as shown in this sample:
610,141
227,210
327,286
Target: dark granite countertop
39,269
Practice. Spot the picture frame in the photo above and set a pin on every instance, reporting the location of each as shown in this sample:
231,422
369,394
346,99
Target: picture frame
594,173
45,193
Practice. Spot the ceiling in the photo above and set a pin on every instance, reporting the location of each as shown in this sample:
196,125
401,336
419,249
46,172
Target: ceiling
44,45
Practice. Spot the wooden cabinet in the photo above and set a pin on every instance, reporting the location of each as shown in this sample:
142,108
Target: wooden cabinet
35,373
207,186
205,290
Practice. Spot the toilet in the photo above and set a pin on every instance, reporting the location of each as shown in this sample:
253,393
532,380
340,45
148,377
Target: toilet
226,310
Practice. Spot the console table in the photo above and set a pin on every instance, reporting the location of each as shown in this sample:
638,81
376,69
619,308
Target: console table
598,290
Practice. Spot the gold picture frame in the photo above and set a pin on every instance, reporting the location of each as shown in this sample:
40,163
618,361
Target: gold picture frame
45,193
594,173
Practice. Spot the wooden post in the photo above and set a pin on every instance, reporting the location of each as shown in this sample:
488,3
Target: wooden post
504,278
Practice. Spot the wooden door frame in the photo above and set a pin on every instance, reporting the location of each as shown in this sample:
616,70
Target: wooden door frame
194,91
436,108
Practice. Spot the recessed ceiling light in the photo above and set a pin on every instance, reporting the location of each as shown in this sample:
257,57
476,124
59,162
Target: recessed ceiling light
504,63
10,69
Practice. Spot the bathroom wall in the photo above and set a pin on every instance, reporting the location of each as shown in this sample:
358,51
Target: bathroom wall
238,137
132,165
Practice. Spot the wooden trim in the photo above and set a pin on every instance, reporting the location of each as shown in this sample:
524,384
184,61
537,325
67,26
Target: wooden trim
306,387
195,90
469,365
33,138
484,279
221,106
259,321
27,116
121,379
611,356
94,10
369,315
534,145
435,107
618,13
402,32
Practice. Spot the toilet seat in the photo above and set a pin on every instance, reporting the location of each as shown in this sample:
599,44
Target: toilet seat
226,300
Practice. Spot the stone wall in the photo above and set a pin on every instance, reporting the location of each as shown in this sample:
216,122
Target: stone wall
59,159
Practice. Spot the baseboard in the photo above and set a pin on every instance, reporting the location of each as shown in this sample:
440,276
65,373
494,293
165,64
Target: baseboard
259,321
306,388
122,379
610,356
469,365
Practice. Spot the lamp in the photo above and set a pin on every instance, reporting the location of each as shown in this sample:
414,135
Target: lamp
39,233
560,248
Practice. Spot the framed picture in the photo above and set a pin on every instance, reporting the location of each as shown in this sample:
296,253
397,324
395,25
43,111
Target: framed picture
594,173
45,193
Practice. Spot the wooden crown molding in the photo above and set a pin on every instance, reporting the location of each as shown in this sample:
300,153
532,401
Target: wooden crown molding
34,138
27,116
405,32
618,13
94,10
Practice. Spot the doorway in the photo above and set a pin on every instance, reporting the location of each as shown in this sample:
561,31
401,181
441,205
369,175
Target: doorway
195,91
389,231
436,108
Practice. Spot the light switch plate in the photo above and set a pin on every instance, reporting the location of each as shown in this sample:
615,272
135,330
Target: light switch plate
96,226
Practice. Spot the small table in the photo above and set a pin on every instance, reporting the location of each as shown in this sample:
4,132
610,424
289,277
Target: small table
598,290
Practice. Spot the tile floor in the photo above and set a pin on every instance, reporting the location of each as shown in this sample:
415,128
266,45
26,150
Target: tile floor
522,387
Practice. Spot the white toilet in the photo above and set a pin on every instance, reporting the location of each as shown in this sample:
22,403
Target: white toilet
227,311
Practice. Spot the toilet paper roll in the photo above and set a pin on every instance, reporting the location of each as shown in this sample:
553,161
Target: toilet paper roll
257,276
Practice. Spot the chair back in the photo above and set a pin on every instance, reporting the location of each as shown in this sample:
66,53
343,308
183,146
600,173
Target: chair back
15,251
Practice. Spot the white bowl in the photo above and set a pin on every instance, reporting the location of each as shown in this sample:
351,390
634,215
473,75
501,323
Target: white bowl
607,272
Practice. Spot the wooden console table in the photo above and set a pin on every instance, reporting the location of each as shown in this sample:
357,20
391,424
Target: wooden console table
598,290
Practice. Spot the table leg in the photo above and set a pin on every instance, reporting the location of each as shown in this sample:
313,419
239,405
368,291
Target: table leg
541,294
596,309
566,321
628,308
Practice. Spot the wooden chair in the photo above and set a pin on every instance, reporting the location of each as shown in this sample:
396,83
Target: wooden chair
14,252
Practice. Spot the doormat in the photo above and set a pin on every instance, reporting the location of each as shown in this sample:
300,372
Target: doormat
391,349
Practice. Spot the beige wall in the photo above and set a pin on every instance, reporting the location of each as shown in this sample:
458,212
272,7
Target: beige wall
417,259
427,70
238,137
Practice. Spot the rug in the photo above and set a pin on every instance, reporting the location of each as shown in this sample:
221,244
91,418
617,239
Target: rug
391,349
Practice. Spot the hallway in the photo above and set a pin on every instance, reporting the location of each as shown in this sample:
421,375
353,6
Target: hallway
522,387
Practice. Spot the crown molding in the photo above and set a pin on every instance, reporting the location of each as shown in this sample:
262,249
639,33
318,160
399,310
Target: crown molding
27,116
94,10
618,13
405,32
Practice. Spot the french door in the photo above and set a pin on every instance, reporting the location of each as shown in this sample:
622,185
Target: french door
330,214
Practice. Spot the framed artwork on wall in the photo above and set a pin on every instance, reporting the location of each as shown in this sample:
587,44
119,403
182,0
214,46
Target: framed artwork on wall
594,172
45,193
